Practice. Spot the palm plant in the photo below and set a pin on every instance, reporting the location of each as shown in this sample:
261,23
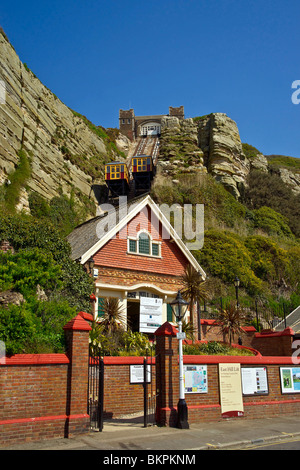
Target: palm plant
195,289
231,319
188,329
113,315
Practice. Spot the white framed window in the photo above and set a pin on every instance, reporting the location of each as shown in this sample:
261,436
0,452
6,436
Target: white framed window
144,245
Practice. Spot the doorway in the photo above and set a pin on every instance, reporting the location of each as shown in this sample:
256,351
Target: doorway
133,315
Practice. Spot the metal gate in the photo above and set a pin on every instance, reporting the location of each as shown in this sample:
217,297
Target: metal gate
151,392
95,392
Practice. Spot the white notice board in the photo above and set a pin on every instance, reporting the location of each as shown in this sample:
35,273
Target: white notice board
150,314
137,374
254,381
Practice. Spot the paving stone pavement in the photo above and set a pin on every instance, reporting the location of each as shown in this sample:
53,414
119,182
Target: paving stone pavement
129,434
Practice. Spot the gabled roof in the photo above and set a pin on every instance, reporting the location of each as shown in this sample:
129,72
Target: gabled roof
91,236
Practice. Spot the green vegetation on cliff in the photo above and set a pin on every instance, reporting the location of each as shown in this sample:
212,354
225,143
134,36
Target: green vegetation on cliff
53,287
256,240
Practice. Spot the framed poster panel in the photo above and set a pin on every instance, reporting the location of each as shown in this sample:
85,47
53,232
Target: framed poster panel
137,374
255,381
290,379
195,378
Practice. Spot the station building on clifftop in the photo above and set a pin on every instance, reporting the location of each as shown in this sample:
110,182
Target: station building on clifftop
137,126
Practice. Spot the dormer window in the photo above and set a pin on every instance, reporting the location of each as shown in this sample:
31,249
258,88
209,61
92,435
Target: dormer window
144,245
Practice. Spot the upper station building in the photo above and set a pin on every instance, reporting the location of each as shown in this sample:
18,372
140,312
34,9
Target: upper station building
136,126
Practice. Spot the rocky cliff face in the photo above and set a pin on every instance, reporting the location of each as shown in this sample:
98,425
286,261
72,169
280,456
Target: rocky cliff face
220,141
61,146
212,144
179,150
68,153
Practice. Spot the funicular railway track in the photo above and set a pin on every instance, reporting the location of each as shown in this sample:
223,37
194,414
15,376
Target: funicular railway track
135,176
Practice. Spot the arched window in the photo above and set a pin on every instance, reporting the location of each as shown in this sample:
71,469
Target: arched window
144,244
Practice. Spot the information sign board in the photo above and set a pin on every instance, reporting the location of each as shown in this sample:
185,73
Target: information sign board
290,379
195,378
254,381
150,314
137,373
231,390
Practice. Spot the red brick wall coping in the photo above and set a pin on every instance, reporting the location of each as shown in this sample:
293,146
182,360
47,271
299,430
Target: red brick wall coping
166,330
78,323
39,359
125,360
271,334
238,359
35,359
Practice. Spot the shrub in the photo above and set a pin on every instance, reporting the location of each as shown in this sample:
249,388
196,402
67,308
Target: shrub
26,269
16,328
27,232
35,327
265,189
225,256
271,222
214,348
268,260
250,151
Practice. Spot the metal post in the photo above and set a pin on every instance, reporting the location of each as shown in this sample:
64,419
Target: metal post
284,314
145,393
182,406
256,311
100,394
199,320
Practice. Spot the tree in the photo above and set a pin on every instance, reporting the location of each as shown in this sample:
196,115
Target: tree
231,319
194,290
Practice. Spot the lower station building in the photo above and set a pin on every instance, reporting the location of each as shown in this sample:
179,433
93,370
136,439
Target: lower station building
138,258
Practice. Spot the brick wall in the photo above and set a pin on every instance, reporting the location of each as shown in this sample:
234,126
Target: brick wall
268,343
45,395
124,277
206,406
120,396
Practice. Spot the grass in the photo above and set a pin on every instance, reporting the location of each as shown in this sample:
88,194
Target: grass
17,181
282,161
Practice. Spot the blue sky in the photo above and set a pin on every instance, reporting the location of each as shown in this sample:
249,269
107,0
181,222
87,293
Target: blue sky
238,57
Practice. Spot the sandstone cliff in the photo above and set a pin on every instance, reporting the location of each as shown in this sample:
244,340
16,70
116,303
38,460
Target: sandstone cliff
212,144
65,150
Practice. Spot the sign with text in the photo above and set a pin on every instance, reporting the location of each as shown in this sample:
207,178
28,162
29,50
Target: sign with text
195,378
231,390
137,374
150,314
290,379
254,381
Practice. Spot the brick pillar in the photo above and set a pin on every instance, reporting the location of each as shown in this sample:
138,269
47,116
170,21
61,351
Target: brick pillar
167,375
77,338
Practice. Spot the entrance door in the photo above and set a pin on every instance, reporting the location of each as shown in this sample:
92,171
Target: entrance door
133,315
